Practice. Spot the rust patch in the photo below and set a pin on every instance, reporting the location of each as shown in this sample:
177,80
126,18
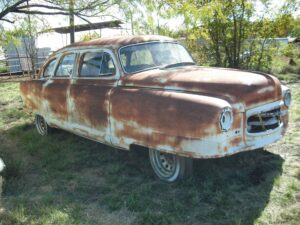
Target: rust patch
284,119
233,86
237,119
90,102
235,141
31,92
55,94
166,112
156,117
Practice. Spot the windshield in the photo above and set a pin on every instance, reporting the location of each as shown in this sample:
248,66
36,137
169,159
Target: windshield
147,56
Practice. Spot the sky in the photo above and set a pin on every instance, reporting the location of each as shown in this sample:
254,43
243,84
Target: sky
57,41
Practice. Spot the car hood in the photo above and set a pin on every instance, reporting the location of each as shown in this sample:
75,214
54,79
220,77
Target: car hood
235,86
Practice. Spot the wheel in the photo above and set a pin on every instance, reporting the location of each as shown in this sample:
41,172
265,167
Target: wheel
41,125
170,167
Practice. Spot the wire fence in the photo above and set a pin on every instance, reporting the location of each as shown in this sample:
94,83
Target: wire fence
20,64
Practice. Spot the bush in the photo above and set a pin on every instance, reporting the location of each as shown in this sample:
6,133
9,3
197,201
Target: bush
3,69
290,69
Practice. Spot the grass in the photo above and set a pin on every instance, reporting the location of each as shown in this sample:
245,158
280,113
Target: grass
65,179
284,71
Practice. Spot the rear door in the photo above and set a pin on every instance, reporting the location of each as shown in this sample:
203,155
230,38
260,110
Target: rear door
89,94
56,91
32,91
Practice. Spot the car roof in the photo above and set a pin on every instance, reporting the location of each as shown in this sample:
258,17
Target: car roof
118,41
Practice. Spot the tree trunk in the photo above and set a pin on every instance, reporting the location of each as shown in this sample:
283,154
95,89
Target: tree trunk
71,20
262,49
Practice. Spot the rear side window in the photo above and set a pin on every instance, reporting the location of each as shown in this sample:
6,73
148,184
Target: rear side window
49,68
65,66
96,64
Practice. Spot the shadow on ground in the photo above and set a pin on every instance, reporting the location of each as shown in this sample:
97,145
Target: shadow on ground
70,180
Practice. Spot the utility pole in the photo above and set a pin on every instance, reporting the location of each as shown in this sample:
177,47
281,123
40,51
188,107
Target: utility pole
71,20
30,48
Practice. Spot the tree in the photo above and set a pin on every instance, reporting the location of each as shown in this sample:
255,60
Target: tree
144,15
227,27
222,23
295,31
81,9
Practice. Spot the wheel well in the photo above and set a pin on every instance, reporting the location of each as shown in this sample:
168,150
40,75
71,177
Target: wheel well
135,147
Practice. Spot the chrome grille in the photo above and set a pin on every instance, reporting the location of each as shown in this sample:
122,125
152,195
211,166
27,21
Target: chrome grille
264,121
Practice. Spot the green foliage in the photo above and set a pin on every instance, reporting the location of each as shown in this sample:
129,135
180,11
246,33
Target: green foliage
295,32
89,36
232,33
286,63
3,68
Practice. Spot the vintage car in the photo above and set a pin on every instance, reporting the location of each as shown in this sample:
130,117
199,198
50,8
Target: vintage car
146,91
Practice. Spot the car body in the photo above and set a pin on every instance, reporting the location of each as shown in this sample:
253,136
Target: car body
148,92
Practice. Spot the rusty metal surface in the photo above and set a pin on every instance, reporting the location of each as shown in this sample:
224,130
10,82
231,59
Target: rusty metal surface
121,40
235,86
173,110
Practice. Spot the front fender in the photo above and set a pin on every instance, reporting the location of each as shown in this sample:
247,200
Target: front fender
165,120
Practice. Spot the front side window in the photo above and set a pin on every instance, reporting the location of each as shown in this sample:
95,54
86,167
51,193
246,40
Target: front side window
107,66
49,68
65,66
95,64
147,56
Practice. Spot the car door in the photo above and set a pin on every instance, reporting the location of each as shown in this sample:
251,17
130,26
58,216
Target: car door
56,91
32,91
89,94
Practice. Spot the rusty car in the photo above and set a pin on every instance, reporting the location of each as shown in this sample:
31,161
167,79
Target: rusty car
147,91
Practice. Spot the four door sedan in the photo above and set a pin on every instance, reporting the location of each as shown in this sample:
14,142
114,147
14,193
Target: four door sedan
147,91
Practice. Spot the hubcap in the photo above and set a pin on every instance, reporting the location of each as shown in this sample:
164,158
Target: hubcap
165,165
41,125
167,161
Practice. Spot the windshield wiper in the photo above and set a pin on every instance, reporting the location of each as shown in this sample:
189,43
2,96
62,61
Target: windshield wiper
177,64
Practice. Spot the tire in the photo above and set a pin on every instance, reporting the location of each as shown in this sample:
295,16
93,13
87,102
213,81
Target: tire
170,167
41,125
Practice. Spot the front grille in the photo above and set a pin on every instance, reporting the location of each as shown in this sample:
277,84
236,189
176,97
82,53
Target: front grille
264,121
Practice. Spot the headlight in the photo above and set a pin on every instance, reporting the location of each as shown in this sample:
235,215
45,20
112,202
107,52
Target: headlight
287,98
226,119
